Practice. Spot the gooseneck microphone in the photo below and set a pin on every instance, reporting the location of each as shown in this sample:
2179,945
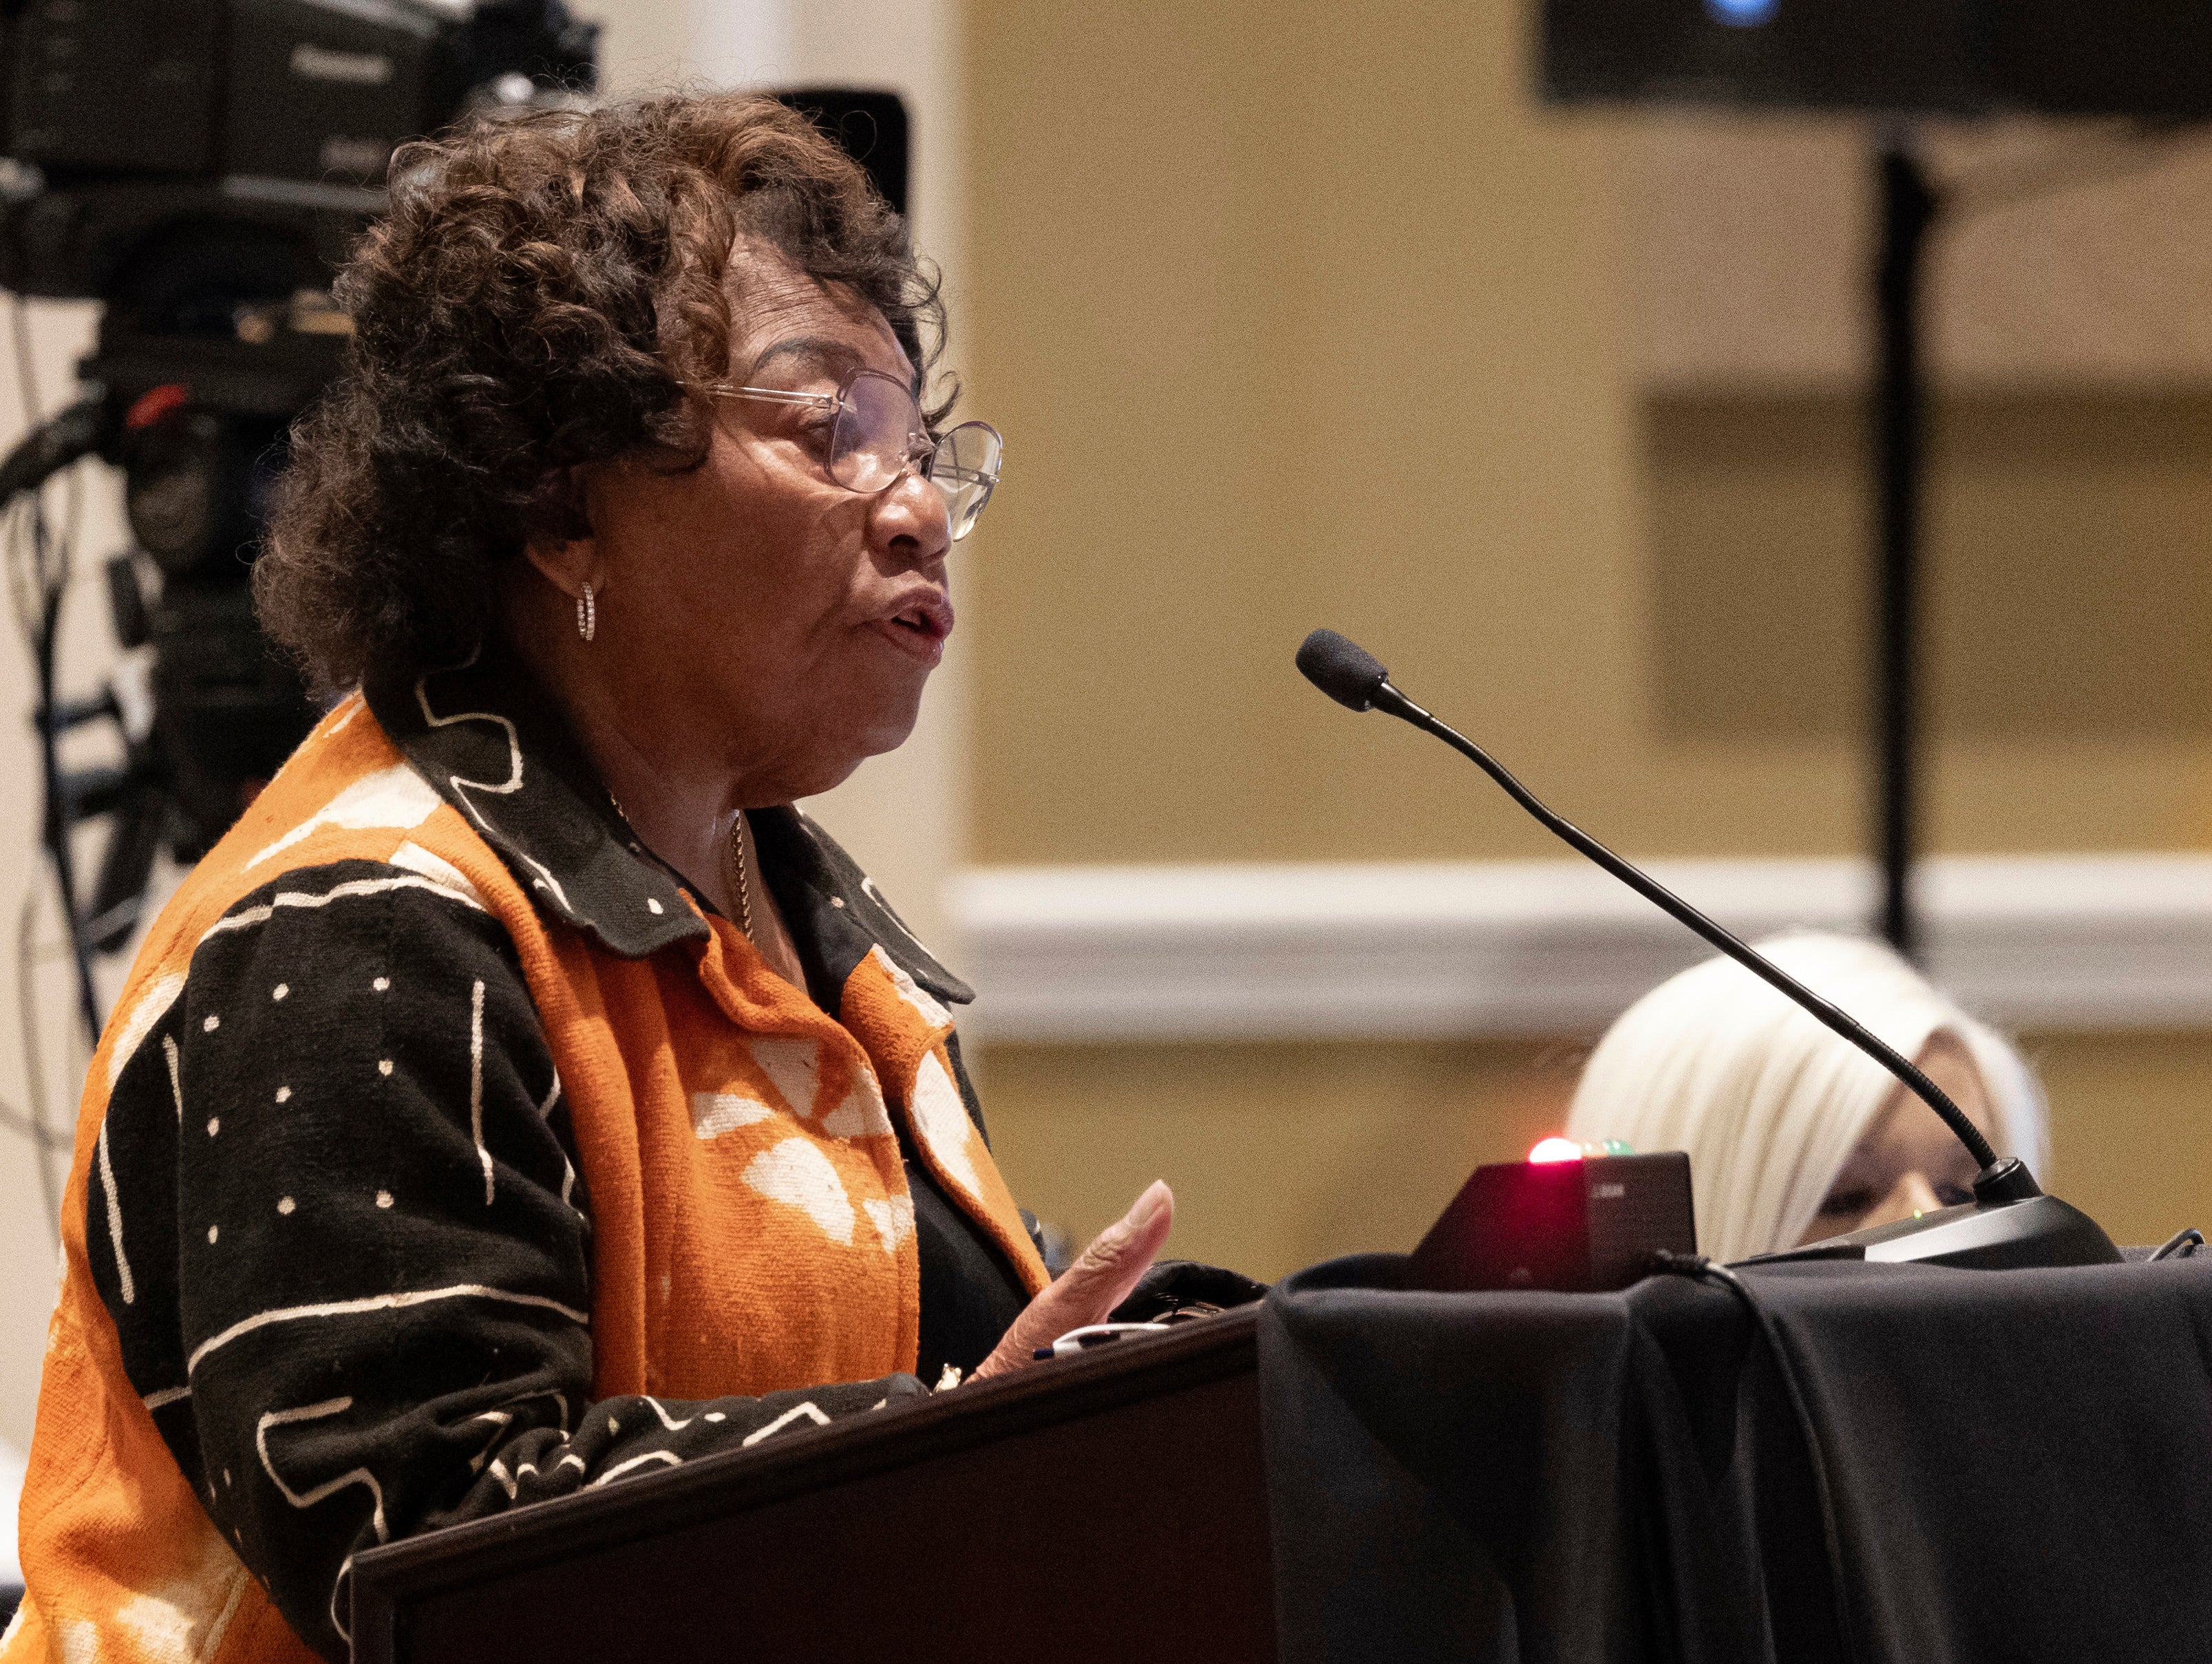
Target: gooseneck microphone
1356,679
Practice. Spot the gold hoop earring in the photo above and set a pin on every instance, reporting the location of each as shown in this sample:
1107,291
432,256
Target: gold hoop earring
588,614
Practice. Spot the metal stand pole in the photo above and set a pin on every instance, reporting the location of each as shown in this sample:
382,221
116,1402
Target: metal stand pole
1909,205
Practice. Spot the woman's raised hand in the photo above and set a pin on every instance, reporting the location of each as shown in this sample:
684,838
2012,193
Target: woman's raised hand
1102,1278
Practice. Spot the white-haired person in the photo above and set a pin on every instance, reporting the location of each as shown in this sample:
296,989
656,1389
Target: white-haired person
1794,1135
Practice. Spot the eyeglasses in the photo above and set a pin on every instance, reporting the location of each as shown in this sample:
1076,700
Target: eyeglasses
879,436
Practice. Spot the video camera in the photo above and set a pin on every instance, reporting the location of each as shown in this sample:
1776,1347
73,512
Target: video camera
200,166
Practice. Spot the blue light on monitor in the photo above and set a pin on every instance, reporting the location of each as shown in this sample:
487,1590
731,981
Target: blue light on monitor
1740,14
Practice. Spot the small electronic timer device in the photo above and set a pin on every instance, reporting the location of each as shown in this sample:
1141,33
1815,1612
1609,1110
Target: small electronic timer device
1565,1218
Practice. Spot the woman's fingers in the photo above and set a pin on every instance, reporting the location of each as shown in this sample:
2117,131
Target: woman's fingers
1101,1278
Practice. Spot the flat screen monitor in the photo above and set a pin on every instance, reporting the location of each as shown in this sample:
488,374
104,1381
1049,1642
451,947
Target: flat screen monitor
2150,60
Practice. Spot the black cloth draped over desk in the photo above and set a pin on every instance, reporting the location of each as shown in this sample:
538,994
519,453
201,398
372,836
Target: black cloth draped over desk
2019,1463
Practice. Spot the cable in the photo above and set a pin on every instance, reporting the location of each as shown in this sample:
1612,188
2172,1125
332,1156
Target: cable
24,528
57,829
34,412
2182,1245
26,368
39,600
15,1121
35,1063
1696,1265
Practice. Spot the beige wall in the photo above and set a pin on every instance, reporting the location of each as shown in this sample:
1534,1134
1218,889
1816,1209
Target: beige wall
1289,320
1291,324
1294,314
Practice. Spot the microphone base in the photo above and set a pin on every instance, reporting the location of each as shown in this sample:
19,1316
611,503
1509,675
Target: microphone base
2035,1232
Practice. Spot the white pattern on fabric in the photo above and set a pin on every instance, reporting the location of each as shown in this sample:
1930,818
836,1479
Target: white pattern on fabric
167,1395
911,991
475,1084
352,889
501,1420
800,1175
149,1008
513,782
184,1617
357,1476
667,1458
713,1114
567,1167
396,796
794,1067
345,1570
379,1302
512,1483
115,1218
862,1114
940,1120
808,1410
176,1080
893,1218
415,858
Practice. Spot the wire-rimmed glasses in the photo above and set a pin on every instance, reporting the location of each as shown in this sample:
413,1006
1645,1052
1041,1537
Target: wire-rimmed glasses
878,436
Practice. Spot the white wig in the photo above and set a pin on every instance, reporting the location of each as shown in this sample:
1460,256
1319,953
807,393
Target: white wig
1768,1103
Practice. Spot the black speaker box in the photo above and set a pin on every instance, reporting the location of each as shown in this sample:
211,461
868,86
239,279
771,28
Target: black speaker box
2146,59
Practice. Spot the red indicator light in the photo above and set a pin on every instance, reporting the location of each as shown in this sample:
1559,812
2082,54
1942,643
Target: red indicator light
1556,1150
151,407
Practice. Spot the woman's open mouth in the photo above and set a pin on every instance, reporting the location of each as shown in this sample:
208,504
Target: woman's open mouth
920,629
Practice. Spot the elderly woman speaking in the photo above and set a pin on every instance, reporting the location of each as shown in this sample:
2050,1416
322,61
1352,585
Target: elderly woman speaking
525,1094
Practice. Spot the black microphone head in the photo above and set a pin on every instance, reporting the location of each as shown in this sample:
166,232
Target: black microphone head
1342,669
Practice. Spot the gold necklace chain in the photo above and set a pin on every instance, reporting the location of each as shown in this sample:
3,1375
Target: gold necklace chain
737,862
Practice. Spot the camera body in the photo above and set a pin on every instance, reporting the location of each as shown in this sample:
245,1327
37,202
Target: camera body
200,168
131,122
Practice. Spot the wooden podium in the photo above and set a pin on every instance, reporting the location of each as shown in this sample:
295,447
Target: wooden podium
1106,1507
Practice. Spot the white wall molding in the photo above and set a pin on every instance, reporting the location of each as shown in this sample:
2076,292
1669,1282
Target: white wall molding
1543,948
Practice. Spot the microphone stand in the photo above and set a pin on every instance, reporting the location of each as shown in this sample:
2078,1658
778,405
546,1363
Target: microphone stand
1909,208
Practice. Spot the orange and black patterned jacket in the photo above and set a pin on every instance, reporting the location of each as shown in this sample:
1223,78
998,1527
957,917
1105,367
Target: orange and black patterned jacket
444,1155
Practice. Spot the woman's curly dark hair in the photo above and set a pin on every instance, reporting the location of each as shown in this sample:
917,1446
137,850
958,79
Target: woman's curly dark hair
529,303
